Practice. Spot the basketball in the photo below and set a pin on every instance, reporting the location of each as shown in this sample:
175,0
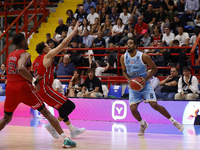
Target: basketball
135,84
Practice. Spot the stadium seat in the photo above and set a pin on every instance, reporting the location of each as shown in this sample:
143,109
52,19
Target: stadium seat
126,90
115,90
65,87
3,86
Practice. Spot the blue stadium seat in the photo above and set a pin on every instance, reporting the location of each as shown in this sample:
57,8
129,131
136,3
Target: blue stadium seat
65,87
3,86
126,90
115,90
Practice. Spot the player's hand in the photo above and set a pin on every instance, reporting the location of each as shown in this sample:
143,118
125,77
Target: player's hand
143,81
76,26
37,88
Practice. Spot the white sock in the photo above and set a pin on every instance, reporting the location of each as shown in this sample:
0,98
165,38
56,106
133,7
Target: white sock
71,127
63,135
142,122
172,119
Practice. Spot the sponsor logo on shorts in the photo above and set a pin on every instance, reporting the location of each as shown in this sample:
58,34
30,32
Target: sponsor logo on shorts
36,106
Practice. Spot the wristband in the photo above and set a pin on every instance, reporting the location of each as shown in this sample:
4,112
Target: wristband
34,82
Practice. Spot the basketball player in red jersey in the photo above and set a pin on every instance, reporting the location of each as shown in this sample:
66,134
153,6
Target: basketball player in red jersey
20,88
43,66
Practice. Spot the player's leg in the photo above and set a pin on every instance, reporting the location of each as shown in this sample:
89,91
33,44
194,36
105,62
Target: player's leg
6,119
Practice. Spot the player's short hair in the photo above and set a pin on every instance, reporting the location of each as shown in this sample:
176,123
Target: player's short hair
186,68
40,47
134,40
18,38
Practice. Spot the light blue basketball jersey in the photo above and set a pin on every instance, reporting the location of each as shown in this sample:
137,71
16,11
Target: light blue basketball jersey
134,65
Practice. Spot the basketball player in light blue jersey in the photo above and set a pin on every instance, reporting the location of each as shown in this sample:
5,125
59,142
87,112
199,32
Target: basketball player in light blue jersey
133,65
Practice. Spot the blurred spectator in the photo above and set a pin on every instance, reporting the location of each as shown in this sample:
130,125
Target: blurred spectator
168,6
146,40
161,14
113,15
49,39
125,15
120,6
117,31
177,23
109,6
92,84
156,36
77,10
132,6
181,6
197,20
84,26
59,29
87,39
81,15
91,17
57,85
142,7
194,37
77,38
86,58
75,83
103,16
169,85
100,6
52,46
139,27
191,9
156,4
76,55
182,37
65,68
87,6
154,81
63,36
187,86
70,17
107,28
3,72
128,30
168,37
95,28
165,24
150,17
2,91
174,60
71,27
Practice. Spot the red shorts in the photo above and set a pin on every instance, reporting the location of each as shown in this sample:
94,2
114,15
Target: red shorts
52,97
21,92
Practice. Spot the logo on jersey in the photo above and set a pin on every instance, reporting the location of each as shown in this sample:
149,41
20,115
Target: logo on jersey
132,62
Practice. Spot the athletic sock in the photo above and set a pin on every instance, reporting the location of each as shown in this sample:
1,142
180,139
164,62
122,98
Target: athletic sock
142,122
172,119
63,135
71,127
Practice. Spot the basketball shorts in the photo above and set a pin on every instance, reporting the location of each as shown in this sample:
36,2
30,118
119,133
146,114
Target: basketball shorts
147,94
52,97
21,92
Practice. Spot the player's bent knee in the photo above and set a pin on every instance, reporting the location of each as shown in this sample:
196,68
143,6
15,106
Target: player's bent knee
154,105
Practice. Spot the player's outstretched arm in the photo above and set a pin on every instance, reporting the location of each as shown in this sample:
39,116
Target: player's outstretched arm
52,53
124,68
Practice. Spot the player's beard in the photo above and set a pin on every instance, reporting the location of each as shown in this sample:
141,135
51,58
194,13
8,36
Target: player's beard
130,50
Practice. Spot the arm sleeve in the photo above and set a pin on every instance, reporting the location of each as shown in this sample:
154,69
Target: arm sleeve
194,85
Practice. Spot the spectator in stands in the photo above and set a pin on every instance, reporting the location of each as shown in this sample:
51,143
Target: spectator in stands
2,91
191,9
194,38
132,6
117,31
150,17
107,31
197,20
120,6
125,15
146,40
168,6
87,39
128,30
161,14
165,24
59,29
71,27
99,42
156,5
91,17
49,39
70,17
182,37
156,36
168,37
76,55
52,46
95,28
65,68
87,6
103,16
84,26
187,86
174,60
77,38
114,15
92,84
139,27
3,72
142,7
57,85
75,83
81,15
154,81
86,58
77,10
181,6
63,36
169,85
177,23
100,6
109,6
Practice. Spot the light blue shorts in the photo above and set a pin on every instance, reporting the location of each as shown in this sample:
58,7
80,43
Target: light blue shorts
147,94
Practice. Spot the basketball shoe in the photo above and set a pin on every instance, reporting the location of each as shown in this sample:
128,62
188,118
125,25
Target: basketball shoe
52,131
179,126
76,132
68,143
143,128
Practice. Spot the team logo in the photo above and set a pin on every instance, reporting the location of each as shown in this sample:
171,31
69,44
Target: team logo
132,62
119,110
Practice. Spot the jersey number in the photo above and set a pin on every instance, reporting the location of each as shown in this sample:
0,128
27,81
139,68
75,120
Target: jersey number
12,68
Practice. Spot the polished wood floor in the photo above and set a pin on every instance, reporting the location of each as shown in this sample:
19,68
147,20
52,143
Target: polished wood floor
37,138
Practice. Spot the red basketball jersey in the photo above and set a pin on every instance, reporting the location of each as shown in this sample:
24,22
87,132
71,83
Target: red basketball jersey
156,39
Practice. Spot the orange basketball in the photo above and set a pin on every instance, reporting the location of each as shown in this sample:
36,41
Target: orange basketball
135,84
